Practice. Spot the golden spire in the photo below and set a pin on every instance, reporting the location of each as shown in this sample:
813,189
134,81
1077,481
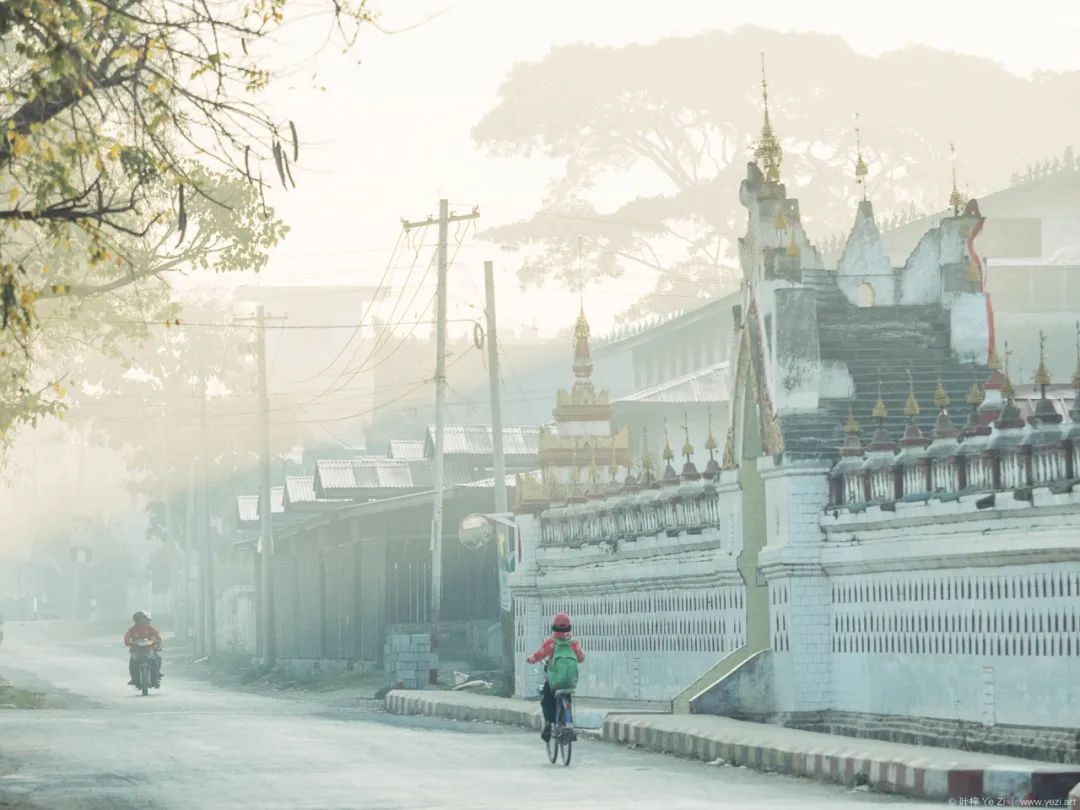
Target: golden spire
974,397
792,248
687,448
668,454
851,426
613,468
1007,389
955,200
880,411
861,171
768,152
941,396
911,407
1042,373
594,472
711,443
646,456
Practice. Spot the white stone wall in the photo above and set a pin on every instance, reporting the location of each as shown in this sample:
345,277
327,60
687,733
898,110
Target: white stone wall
799,603
651,615
943,610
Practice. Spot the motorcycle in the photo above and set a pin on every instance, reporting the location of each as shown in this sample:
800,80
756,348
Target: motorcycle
144,654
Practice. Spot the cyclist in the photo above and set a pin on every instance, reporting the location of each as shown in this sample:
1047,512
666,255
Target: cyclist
558,644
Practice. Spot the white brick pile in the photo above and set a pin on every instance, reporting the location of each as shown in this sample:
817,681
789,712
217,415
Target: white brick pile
407,660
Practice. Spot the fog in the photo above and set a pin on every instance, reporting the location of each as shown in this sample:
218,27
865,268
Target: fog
365,348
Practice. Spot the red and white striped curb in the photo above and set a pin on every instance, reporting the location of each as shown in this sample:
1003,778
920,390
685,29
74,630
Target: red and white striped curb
843,763
435,704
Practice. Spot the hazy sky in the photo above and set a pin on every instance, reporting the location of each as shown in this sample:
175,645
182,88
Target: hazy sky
389,136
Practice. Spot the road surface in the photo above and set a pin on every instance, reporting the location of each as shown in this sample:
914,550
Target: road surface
194,746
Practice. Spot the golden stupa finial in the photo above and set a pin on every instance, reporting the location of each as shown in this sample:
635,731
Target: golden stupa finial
911,407
668,453
687,448
646,456
941,396
994,362
594,471
613,467
1007,389
861,170
974,397
768,152
710,441
1042,373
851,426
955,199
880,411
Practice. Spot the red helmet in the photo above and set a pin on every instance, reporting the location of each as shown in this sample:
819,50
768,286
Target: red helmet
561,623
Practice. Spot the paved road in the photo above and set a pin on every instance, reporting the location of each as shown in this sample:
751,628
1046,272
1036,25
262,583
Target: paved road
192,746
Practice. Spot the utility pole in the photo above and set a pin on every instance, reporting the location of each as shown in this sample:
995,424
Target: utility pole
189,544
202,510
507,617
266,524
443,222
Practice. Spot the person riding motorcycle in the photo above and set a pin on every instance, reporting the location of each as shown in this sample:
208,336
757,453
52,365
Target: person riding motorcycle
560,631
143,630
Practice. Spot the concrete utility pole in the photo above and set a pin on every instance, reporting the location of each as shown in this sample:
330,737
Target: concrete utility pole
202,511
266,524
189,545
501,506
443,222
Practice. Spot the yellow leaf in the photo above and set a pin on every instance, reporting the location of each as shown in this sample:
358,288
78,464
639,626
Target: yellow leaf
114,151
13,195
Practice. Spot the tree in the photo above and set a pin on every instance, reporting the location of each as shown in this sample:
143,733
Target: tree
652,142
89,330
122,125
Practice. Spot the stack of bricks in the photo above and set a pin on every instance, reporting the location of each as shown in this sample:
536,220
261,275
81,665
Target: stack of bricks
408,660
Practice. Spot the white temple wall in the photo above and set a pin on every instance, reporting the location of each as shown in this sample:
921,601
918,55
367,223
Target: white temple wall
920,278
950,612
969,326
653,612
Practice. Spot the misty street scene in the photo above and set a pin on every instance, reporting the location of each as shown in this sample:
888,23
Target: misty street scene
485,404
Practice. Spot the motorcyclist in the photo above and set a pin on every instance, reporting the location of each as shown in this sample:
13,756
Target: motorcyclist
143,630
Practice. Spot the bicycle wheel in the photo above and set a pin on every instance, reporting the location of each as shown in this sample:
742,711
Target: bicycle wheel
553,746
567,748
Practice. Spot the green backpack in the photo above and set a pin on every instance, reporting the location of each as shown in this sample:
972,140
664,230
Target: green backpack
562,671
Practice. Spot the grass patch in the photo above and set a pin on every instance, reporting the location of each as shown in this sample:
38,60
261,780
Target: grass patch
14,697
237,671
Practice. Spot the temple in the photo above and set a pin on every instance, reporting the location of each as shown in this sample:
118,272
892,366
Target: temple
807,573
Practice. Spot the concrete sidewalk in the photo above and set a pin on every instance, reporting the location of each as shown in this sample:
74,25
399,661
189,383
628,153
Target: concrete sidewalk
916,771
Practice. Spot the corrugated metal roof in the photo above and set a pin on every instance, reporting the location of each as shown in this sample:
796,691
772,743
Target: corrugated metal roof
300,489
709,384
353,477
247,506
489,483
475,440
409,449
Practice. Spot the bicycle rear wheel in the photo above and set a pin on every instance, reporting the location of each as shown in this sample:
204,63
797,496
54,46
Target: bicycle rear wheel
553,747
567,748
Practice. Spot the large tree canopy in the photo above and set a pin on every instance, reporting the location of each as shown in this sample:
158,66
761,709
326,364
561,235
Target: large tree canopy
132,145
652,141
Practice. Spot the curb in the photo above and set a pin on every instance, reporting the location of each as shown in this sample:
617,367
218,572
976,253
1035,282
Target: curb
840,762
405,702
918,778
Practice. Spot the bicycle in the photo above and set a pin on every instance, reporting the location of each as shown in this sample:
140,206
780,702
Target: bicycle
561,741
